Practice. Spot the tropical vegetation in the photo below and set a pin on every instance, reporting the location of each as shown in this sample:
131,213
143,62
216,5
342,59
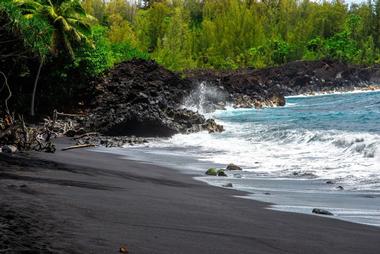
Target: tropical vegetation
67,43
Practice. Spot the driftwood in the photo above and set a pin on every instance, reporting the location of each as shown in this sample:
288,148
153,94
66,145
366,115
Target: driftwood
77,147
15,132
69,115
9,91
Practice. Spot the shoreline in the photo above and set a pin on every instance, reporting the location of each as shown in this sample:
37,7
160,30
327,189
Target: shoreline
368,89
278,193
97,202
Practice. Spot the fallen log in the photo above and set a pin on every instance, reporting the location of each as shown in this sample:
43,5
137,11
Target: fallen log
77,147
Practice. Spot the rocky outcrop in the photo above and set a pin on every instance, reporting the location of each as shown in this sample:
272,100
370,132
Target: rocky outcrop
143,99
267,87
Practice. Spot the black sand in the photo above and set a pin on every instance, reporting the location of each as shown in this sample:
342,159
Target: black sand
85,202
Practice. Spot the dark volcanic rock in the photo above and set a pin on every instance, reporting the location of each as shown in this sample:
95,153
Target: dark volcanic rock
232,166
267,87
321,211
143,99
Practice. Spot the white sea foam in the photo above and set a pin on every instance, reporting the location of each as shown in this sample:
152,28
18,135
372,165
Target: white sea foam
358,90
350,158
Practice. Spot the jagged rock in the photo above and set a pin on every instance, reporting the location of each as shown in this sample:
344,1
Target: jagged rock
322,211
212,172
9,149
232,166
267,87
144,99
212,126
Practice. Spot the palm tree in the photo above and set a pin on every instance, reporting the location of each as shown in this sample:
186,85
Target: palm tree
69,22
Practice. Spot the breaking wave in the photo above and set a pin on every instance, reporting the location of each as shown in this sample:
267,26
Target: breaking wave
335,137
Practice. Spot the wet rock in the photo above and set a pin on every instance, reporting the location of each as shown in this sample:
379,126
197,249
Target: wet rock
124,249
330,182
212,172
322,212
340,187
278,100
211,126
227,185
221,172
232,166
9,149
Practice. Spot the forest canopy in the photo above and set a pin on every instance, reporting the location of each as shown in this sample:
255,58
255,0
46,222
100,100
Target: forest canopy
229,34
217,34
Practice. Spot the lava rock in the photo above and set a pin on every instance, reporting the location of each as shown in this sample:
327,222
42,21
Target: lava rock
9,149
232,166
141,98
322,212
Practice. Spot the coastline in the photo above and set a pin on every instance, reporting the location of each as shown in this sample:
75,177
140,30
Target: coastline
96,202
287,194
368,89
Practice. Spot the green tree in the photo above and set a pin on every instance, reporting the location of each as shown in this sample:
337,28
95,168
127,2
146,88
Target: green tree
69,23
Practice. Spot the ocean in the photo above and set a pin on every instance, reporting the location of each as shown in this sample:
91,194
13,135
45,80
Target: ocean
316,152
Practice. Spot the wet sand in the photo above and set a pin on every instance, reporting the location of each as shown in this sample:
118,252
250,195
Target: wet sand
80,201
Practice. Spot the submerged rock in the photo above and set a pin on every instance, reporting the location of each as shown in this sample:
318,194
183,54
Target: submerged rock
237,175
322,212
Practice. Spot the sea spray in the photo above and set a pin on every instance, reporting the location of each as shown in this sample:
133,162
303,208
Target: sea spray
206,98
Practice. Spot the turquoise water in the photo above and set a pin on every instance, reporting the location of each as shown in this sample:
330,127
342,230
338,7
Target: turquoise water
330,137
351,112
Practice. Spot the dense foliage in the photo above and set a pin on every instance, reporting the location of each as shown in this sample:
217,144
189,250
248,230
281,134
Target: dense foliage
225,34
74,41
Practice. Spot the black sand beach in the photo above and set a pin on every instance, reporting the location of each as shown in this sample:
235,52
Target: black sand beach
85,202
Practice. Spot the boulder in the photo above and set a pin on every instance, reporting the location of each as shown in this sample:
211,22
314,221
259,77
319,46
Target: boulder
212,172
232,166
227,185
322,212
9,149
221,172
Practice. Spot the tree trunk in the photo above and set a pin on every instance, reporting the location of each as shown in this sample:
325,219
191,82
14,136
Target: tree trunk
32,113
